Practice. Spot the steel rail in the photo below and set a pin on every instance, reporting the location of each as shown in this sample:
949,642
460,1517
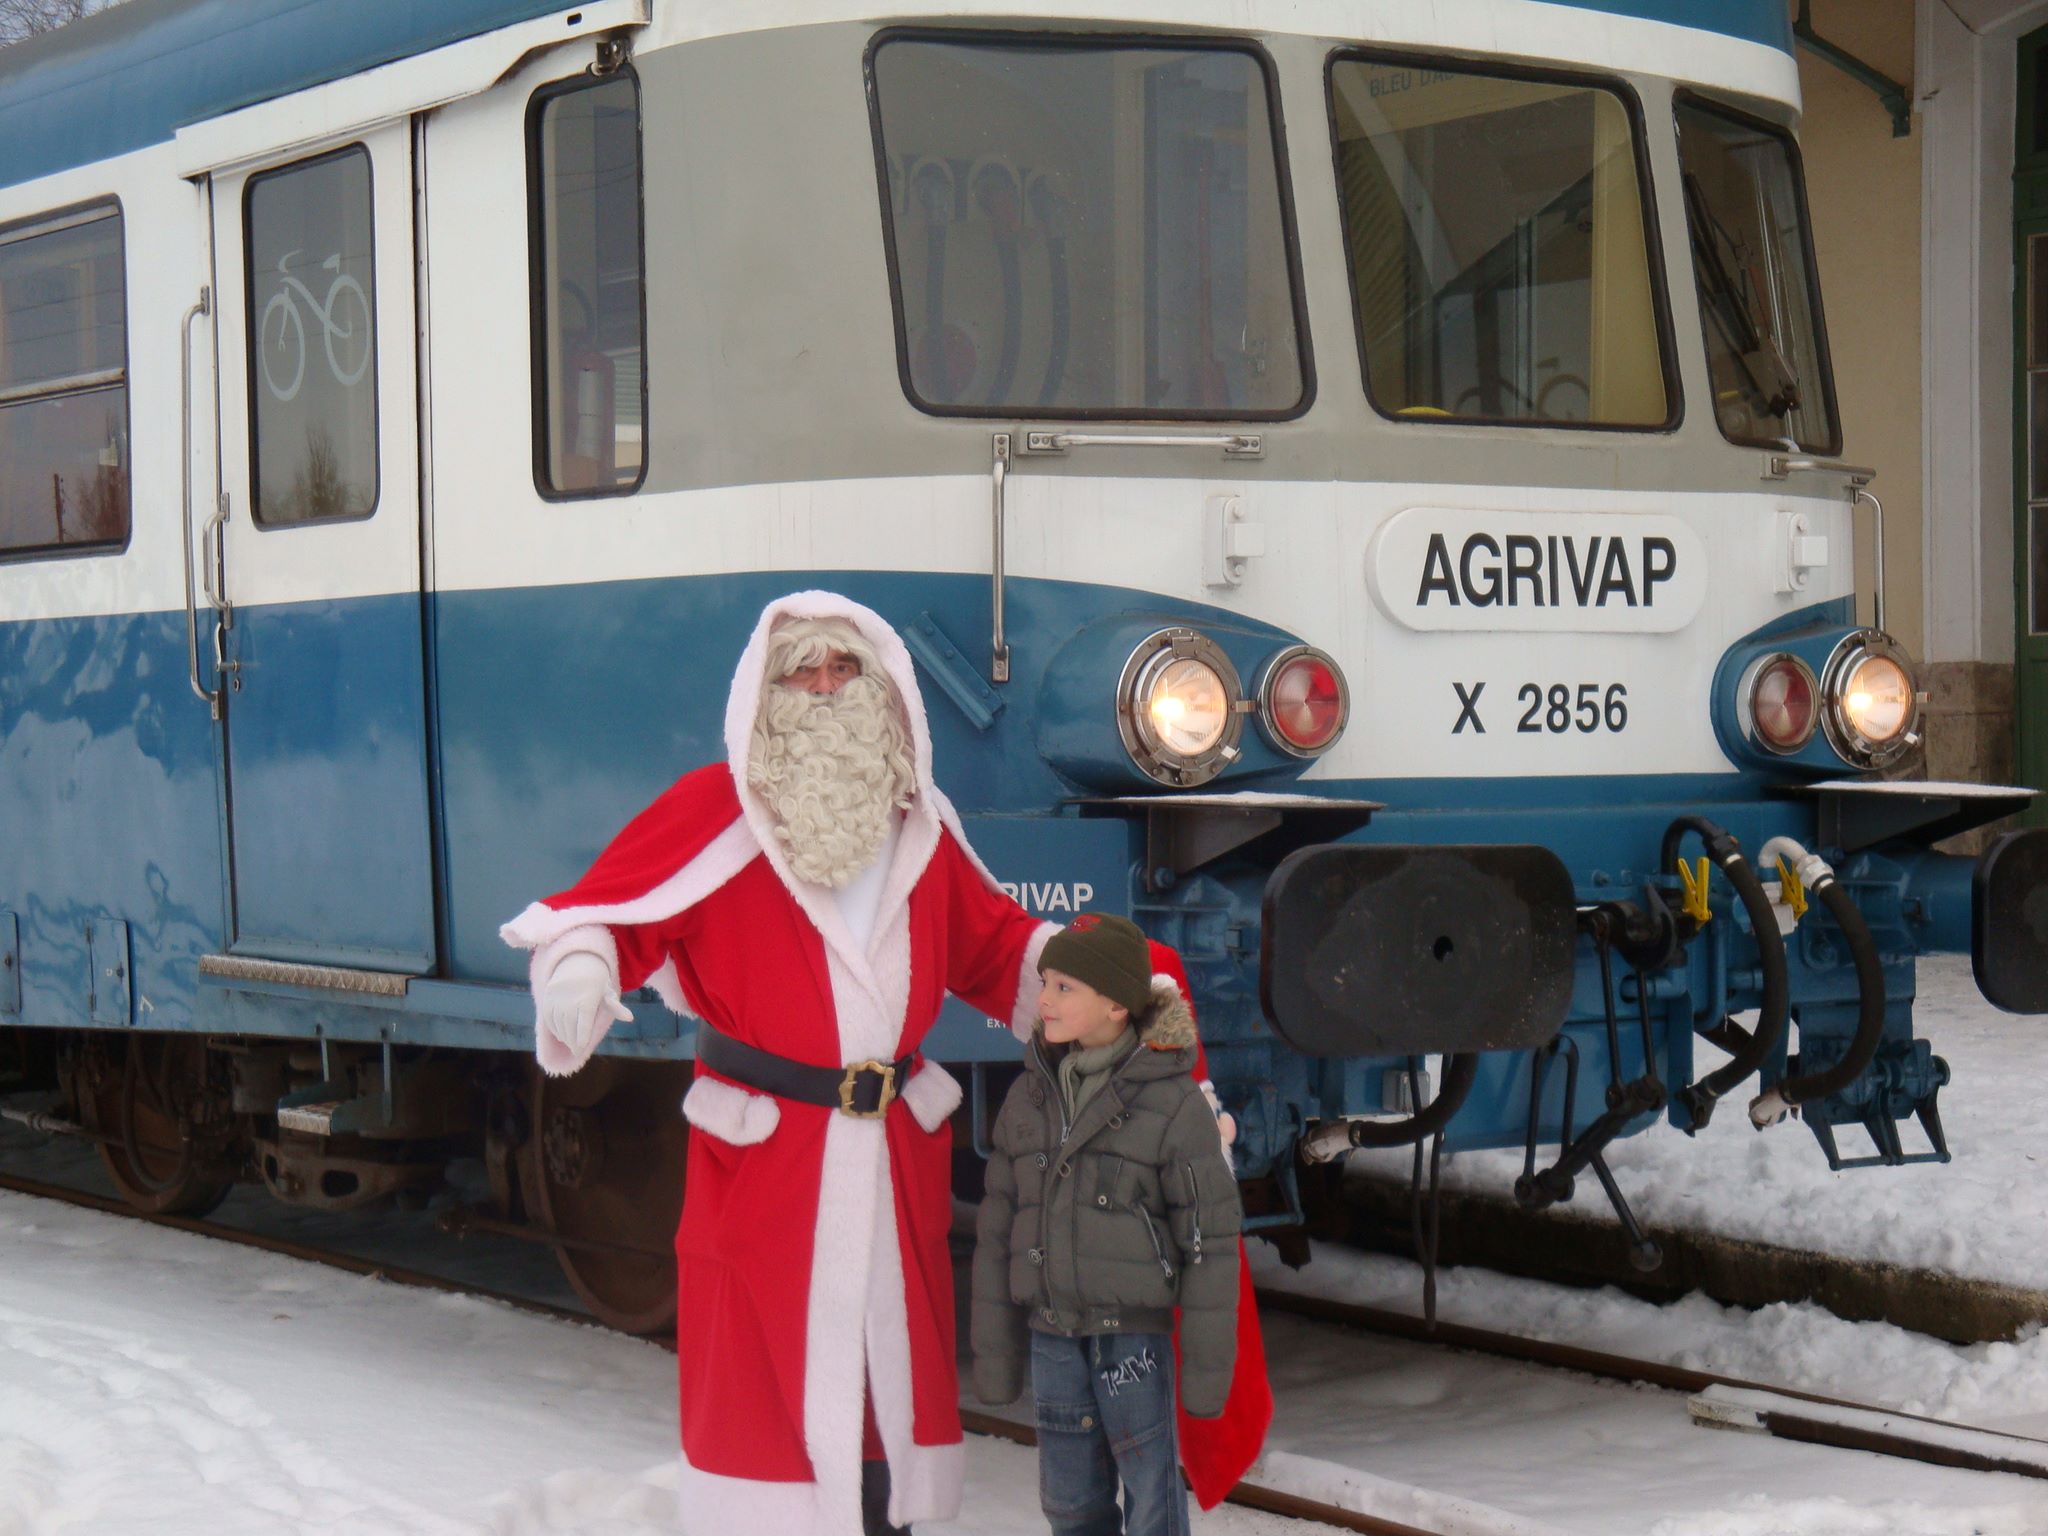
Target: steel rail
1627,1368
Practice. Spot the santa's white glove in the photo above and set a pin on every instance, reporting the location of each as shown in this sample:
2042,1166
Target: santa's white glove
578,1004
1226,1122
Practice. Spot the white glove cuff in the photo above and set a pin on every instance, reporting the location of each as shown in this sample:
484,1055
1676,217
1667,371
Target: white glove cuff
593,939
932,1095
729,1112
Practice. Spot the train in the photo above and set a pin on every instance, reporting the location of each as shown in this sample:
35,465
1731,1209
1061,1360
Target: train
1362,485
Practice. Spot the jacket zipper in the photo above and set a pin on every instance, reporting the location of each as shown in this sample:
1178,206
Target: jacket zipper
1158,1248
1044,1193
1053,1084
1194,1215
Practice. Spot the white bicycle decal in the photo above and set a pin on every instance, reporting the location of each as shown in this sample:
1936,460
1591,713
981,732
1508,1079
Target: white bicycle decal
344,322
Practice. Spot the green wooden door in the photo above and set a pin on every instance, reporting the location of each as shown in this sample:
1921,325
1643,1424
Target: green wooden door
2030,417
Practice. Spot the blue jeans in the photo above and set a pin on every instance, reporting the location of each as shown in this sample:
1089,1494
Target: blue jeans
1105,1411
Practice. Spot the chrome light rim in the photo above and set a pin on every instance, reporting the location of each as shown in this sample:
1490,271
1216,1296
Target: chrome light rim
1841,733
1745,703
1269,674
1154,757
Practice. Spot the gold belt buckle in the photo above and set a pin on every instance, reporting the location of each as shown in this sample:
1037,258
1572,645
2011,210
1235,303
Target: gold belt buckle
846,1086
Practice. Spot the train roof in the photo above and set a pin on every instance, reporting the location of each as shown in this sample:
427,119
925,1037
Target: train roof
1755,21
134,74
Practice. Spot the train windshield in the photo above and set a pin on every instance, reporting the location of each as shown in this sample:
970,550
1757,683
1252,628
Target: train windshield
1759,304
1087,229
1500,268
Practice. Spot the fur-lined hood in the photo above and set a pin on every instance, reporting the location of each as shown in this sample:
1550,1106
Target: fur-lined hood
1168,1024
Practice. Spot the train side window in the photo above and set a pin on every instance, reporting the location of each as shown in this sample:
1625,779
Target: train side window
1087,227
1499,239
63,385
312,303
1767,349
588,272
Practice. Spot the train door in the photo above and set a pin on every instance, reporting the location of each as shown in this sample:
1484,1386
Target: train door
319,557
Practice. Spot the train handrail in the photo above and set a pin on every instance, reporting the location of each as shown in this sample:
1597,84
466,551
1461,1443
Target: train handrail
999,464
1863,493
1782,465
210,697
1235,445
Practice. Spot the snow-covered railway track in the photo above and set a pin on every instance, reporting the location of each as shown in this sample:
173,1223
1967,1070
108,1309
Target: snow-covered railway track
1251,1496
1718,1400
1330,1454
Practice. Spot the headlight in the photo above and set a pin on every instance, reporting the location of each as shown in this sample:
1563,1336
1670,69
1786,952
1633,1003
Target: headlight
1779,701
1871,708
1303,702
1178,708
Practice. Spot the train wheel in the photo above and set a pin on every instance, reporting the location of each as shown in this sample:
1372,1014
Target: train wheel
603,1168
148,1096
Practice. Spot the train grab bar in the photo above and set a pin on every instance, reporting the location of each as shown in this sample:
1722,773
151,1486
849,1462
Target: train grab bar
1235,445
211,697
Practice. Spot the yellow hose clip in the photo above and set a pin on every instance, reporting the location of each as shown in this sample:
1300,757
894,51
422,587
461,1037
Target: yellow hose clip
1695,904
1791,889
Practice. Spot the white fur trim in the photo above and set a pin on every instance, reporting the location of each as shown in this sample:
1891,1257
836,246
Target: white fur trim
743,704
722,858
1024,1017
925,1481
920,830
712,1504
854,1178
730,1113
557,1057
933,1094
951,820
668,986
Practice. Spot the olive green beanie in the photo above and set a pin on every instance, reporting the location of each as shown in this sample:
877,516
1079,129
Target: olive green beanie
1107,952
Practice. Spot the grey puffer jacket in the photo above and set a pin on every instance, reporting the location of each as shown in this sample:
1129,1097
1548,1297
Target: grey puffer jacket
1108,1224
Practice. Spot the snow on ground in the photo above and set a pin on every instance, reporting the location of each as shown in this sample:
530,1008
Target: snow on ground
153,1381
1982,1215
156,1382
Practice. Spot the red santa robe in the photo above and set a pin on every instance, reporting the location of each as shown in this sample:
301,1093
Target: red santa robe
812,1253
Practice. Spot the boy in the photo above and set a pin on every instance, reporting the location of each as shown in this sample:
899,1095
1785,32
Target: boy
1110,1203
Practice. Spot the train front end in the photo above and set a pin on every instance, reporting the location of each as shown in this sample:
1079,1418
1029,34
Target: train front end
1423,558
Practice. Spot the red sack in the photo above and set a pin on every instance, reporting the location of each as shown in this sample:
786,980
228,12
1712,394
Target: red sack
1216,1453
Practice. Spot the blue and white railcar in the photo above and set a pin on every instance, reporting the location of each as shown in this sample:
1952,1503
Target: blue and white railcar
1361,479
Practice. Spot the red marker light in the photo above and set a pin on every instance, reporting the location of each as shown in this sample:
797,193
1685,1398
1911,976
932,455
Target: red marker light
1783,704
1305,703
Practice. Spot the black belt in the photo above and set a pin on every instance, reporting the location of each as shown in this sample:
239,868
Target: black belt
862,1089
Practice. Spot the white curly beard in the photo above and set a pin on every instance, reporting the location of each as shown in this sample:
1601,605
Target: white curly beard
833,769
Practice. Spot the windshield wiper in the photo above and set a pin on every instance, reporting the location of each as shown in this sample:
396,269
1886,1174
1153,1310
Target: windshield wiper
1771,378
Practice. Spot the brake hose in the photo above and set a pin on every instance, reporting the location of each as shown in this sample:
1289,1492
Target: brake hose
1818,876
1753,1049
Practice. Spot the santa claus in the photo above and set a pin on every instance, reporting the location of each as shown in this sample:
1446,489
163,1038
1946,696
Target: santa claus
810,901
